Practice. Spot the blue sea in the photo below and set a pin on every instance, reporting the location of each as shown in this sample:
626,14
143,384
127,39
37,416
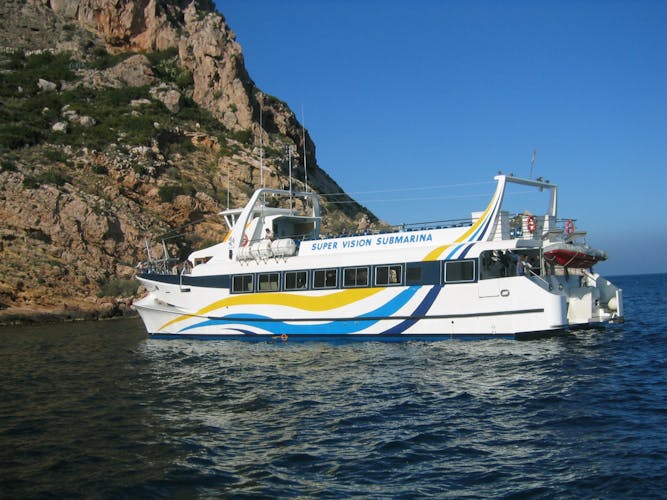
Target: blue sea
97,410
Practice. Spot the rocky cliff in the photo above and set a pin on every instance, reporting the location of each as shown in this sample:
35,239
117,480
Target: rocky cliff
122,124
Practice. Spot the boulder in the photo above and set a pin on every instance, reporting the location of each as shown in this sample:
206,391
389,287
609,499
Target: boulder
87,121
46,86
169,96
137,103
61,127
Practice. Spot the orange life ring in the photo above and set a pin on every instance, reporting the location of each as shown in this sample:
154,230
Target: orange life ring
244,240
569,226
283,337
531,224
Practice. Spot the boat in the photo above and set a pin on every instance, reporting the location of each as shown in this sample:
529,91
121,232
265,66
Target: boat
495,274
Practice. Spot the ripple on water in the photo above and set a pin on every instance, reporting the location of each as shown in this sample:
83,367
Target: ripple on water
99,410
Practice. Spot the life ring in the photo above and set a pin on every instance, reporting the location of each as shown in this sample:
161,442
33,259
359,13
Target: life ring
283,337
244,240
531,224
569,226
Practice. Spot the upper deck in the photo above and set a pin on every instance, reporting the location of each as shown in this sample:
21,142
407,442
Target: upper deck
264,229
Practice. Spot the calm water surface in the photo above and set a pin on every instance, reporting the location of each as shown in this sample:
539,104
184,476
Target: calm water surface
98,410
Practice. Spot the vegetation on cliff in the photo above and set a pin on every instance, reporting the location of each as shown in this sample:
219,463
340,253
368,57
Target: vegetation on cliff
108,149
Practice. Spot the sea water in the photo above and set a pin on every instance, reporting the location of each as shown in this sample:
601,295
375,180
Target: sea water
98,410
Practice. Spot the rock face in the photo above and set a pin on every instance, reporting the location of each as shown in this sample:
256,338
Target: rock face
206,46
120,150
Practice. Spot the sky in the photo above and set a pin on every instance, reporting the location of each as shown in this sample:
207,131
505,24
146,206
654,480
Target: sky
415,105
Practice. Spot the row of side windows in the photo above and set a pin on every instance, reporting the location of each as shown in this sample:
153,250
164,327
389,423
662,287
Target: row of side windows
416,273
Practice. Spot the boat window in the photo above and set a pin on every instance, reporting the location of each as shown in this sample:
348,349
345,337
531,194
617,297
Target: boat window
422,273
355,276
325,278
296,280
413,275
389,275
496,264
242,283
268,282
459,271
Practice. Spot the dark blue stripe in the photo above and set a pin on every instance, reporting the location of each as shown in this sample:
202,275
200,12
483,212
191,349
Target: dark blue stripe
421,310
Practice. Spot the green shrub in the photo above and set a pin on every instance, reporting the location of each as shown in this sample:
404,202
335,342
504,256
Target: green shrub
31,182
169,192
174,173
157,57
166,66
103,60
191,112
16,136
27,70
139,169
184,79
243,136
7,166
56,156
110,107
118,287
100,169
38,234
14,60
53,176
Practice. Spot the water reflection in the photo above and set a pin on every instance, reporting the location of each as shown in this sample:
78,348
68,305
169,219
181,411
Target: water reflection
336,411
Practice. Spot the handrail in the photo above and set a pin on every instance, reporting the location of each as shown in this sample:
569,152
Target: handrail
180,280
533,273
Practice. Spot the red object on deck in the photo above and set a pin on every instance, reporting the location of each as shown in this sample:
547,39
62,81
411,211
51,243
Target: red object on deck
576,256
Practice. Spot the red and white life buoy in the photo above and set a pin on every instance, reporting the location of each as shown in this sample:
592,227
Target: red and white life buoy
531,224
244,240
569,226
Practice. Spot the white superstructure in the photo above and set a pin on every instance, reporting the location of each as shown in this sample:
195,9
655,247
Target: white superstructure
494,275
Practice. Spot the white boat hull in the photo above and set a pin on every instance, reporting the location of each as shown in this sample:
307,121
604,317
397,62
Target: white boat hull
434,310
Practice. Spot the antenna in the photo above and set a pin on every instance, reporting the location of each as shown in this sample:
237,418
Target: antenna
289,160
532,163
305,161
227,186
261,144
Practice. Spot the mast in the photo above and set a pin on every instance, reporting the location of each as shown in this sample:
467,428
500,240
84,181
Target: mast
261,145
305,160
289,160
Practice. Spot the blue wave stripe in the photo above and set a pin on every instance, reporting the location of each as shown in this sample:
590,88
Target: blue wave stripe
453,251
421,310
277,327
483,227
465,252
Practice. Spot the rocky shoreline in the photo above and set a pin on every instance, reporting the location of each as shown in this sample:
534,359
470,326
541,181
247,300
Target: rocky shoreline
32,315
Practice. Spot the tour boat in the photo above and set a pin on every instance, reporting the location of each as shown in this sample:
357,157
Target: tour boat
495,275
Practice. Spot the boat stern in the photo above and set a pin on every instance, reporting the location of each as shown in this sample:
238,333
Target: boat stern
596,300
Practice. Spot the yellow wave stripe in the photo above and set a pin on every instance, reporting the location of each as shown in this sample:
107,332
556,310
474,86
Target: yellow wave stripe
306,303
436,252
